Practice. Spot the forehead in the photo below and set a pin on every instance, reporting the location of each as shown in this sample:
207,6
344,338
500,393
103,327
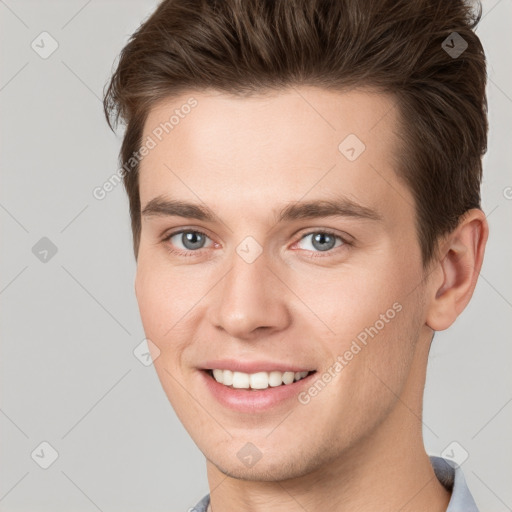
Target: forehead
280,146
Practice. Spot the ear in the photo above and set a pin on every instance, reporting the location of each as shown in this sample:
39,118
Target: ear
456,270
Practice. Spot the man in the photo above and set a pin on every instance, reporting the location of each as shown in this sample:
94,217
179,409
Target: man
304,179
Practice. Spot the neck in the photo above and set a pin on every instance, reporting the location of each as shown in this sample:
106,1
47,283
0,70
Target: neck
388,471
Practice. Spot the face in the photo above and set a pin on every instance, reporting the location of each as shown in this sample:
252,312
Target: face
279,274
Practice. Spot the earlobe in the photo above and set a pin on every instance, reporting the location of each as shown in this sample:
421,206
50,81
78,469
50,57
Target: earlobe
459,265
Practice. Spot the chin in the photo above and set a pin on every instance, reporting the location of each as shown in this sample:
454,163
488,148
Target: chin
270,469
263,472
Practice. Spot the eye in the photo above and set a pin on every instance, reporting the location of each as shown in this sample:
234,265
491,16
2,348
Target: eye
321,241
188,240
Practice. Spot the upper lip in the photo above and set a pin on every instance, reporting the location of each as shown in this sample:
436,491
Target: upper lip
252,366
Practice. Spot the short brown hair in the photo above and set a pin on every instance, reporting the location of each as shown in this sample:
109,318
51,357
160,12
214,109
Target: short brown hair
244,47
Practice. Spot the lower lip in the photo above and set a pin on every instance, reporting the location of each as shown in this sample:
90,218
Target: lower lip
253,400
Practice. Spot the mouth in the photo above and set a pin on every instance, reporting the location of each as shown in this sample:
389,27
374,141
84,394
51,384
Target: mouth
256,381
254,386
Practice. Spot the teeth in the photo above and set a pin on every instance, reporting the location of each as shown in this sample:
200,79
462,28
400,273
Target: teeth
275,379
259,380
288,377
219,376
240,380
227,377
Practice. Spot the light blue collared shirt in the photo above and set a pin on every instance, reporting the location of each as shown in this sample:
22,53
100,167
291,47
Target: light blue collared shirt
450,476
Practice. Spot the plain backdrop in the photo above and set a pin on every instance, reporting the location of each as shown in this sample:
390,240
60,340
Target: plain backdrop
69,319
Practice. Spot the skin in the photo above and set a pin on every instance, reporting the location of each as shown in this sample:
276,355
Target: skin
357,444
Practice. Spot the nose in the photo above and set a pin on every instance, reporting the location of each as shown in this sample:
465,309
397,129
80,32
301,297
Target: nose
250,300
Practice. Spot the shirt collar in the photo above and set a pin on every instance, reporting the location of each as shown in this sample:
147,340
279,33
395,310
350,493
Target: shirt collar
452,478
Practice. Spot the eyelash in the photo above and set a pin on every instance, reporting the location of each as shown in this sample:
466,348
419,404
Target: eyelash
313,254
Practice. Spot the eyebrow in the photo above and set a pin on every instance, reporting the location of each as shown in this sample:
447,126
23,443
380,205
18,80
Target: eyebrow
342,207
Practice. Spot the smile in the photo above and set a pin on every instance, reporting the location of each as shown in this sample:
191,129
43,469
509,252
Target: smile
259,380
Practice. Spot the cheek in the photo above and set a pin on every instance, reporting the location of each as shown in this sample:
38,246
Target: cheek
373,323
370,362
349,300
164,295
162,304
152,301
171,309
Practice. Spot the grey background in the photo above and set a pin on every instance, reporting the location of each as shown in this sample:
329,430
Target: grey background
69,325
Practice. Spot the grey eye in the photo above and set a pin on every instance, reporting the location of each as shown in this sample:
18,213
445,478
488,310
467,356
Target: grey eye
189,240
320,241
